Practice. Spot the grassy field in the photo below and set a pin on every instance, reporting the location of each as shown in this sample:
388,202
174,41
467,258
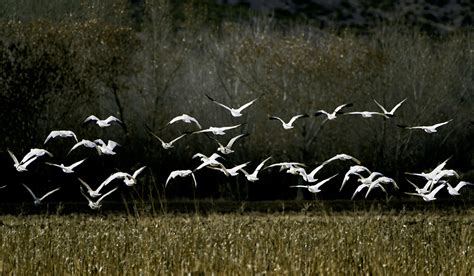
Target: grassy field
308,243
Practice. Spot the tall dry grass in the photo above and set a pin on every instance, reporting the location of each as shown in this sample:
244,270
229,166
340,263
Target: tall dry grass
318,243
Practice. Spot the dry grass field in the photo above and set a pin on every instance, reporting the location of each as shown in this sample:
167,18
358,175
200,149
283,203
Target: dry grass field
377,243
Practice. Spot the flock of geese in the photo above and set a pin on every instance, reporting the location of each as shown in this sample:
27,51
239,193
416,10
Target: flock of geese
366,179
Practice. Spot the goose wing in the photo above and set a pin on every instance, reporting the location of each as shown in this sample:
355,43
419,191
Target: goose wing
218,103
441,124
30,191
339,108
296,117
73,165
246,105
177,138
397,106
232,141
276,118
49,193
15,160
380,106
137,172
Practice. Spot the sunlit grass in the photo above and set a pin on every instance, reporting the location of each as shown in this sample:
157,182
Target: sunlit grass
362,243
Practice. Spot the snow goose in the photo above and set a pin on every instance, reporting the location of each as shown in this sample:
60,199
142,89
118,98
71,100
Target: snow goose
315,188
60,133
38,200
235,112
427,129
186,119
94,205
454,191
333,115
290,123
430,196
252,177
227,149
67,169
392,111
217,130
181,173
102,123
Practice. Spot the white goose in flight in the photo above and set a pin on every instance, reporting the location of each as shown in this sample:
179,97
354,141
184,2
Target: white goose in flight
208,161
309,177
352,171
35,153
365,114
333,115
67,169
94,205
232,171
186,119
315,188
253,176
20,167
227,149
128,179
392,111
102,123
168,145
181,173
426,188
60,133
290,123
217,130
342,157
107,149
427,129
86,143
90,191
454,191
235,112
366,185
286,165
38,200
430,196
379,181
432,175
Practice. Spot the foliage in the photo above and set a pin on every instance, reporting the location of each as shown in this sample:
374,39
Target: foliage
45,65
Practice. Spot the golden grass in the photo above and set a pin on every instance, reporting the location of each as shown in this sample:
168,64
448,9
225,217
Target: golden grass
351,243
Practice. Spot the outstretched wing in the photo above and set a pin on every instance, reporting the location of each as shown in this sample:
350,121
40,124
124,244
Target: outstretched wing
49,193
259,167
232,141
380,106
276,118
173,174
15,160
294,118
397,106
321,112
339,108
177,138
137,172
89,189
194,179
30,191
106,194
441,124
77,163
218,103
247,105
